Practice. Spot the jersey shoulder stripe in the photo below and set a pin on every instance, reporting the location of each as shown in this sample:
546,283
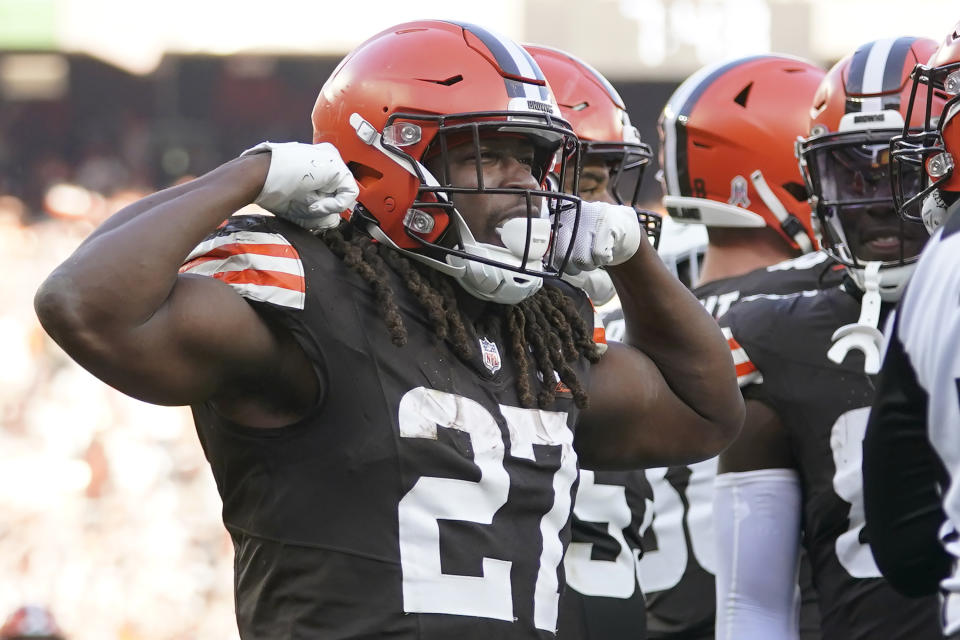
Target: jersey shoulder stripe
259,266
801,263
779,296
747,372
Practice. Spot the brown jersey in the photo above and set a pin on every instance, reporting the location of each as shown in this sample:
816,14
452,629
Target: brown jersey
669,527
417,499
781,345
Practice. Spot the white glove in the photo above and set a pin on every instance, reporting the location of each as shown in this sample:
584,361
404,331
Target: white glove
608,234
307,184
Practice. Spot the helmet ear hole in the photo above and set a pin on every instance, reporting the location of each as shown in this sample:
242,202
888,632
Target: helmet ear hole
797,190
364,174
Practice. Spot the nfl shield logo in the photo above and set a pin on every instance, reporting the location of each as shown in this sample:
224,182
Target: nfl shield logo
738,192
491,355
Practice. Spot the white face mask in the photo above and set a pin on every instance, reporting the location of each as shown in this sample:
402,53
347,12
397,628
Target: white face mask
496,284
487,281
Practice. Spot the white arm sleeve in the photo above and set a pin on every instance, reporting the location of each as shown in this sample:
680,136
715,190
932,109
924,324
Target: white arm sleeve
757,523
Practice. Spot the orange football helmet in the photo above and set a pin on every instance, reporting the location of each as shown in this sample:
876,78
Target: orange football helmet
598,115
417,90
726,144
861,104
931,148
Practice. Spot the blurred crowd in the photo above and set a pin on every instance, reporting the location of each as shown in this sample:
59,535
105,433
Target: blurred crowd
109,516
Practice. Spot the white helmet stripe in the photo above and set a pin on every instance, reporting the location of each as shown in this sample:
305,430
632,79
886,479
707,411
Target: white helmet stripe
876,70
528,69
873,74
599,77
513,59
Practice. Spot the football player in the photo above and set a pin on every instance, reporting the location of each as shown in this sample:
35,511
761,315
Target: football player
807,364
726,145
391,385
910,448
603,599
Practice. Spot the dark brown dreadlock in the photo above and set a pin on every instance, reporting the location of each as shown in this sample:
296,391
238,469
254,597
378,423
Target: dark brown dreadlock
546,326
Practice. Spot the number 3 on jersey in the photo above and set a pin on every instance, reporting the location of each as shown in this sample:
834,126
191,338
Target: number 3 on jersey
604,503
426,589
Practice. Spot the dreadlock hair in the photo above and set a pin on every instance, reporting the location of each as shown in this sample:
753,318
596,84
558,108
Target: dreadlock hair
545,331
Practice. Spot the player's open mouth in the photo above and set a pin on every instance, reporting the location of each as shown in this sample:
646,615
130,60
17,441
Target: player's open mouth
881,242
884,243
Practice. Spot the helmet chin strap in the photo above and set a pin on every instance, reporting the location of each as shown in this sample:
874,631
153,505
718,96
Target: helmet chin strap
496,284
377,234
788,222
487,281
863,335
892,279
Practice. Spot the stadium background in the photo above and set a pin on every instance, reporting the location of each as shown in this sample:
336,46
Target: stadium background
108,513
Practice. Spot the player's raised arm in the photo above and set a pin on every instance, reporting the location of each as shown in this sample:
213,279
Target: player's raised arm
120,308
689,391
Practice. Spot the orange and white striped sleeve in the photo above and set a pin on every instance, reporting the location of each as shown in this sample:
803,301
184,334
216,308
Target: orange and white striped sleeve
747,372
259,265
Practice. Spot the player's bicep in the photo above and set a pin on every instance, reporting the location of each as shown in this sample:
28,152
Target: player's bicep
203,336
630,424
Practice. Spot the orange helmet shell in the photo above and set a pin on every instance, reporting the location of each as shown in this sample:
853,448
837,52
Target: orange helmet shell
431,68
728,121
587,100
947,60
932,142
875,77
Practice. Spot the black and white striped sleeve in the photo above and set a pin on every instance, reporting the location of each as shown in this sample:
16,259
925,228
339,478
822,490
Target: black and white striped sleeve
901,472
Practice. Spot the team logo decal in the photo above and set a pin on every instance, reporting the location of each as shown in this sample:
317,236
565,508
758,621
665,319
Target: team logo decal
491,355
738,192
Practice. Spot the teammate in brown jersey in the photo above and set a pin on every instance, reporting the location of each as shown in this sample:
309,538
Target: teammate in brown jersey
808,362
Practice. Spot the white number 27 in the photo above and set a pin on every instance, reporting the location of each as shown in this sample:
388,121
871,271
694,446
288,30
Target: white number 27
426,589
